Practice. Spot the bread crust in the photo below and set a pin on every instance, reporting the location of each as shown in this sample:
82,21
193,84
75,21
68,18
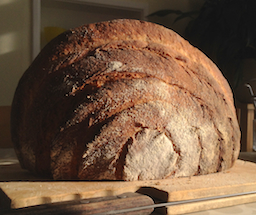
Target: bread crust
102,100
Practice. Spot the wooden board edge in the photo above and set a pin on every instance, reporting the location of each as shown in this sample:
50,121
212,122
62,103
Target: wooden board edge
5,201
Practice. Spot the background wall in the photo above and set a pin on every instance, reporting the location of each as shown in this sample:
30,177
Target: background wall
15,36
168,21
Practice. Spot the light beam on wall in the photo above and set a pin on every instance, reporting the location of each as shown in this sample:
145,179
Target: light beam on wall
8,42
4,2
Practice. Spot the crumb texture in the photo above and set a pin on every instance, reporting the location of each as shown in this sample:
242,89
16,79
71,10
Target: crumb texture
123,100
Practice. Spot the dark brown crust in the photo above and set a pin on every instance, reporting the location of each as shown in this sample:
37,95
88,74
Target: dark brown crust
94,92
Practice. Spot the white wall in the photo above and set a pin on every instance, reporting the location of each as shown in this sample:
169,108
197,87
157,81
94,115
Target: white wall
57,14
15,37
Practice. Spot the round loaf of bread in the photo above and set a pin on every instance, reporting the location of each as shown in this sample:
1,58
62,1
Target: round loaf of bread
123,100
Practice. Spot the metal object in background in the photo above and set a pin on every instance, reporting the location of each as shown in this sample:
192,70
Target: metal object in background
254,121
252,94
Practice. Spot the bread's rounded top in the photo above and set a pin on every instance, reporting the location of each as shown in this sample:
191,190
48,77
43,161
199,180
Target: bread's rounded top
76,43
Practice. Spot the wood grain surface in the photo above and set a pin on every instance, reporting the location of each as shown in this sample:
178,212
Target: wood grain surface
29,190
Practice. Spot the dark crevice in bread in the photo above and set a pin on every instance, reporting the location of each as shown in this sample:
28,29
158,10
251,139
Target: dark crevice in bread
121,160
76,141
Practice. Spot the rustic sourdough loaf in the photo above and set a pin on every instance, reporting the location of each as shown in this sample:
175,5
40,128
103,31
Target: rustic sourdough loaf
123,100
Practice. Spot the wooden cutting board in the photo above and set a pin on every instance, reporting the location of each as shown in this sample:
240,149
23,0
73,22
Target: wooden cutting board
20,189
